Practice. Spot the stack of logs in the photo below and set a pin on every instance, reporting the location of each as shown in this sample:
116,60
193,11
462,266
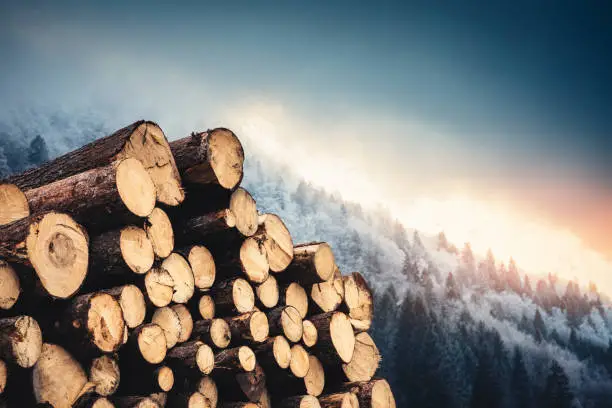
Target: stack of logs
135,272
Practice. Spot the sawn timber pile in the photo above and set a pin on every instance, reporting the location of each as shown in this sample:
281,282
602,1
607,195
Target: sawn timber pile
135,272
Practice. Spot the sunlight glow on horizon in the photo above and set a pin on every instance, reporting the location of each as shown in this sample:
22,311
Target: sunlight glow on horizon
538,248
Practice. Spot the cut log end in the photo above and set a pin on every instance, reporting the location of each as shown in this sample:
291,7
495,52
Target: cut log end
205,359
105,375
165,378
282,352
291,322
267,292
13,204
247,358
136,249
254,260
358,300
296,296
160,232
203,267
58,249
135,187
244,209
259,326
3,376
342,336
9,286
169,321
220,333
226,157
148,144
278,242
299,361
152,343
206,307
365,361
243,296
105,323
21,340
133,305
324,262
159,287
207,387
314,381
180,271
186,322
309,336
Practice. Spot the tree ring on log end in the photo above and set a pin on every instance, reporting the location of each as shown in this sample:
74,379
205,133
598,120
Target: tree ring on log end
136,249
160,232
324,261
105,322
26,341
133,306
259,327
135,187
202,266
152,343
342,336
226,157
165,378
278,243
243,296
382,396
220,333
314,380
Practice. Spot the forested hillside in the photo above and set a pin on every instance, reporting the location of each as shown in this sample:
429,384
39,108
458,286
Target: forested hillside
456,329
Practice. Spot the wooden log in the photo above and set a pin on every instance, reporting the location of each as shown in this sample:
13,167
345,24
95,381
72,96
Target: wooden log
250,261
309,335
371,394
169,321
239,404
358,301
235,360
300,401
95,321
300,362
339,400
132,303
312,263
336,340
365,361
267,293
20,341
13,204
192,356
314,381
119,193
212,157
57,378
142,380
273,354
92,400
54,245
164,378
186,322
158,287
215,332
293,294
179,269
160,398
248,328
252,384
202,305
208,388
265,401
134,401
160,232
277,242
141,140
202,265
10,287
286,321
327,296
233,296
3,376
148,342
105,375
188,400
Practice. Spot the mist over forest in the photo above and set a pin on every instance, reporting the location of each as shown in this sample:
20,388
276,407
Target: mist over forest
455,328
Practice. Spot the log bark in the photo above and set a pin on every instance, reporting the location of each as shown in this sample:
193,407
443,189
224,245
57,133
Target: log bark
92,400
339,400
132,303
141,140
310,334
188,400
169,321
239,404
158,287
286,321
95,322
192,356
142,380
100,198
250,385
248,328
327,296
148,343
13,204
215,332
186,322
312,263
234,361
20,341
371,394
212,157
277,242
293,294
10,287
57,378
267,293
105,375
300,401
312,383
3,376
359,301
233,296
54,245
202,265
160,232
180,271
336,340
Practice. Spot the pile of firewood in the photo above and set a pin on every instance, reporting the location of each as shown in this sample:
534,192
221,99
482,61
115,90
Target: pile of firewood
137,273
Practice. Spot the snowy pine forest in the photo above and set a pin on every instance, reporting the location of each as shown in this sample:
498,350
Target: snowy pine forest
455,328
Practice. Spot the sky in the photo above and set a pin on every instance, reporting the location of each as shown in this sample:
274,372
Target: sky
490,120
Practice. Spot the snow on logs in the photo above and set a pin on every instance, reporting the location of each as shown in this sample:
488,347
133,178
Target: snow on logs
160,293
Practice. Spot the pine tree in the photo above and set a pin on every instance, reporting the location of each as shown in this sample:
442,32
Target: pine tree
486,389
452,292
557,393
540,326
514,279
527,287
5,170
520,384
38,152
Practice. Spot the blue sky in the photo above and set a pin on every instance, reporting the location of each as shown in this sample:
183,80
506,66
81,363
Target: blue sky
506,102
